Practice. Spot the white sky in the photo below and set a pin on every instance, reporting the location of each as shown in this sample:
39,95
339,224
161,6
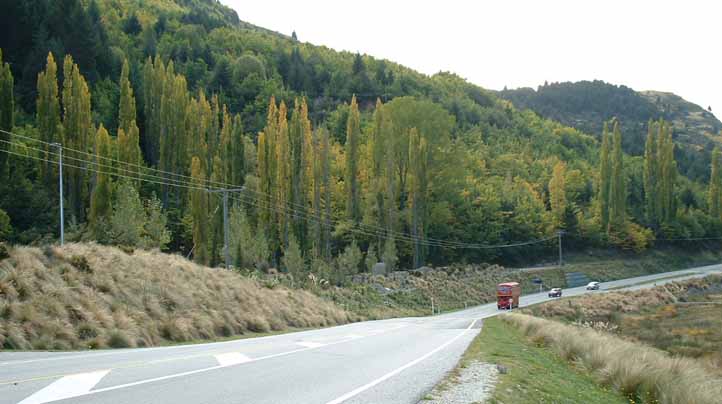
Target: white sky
646,45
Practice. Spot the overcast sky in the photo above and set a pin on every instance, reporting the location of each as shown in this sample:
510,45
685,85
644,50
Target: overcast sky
646,45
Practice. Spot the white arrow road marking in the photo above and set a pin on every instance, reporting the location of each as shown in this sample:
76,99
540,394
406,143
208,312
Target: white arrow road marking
231,358
309,344
67,387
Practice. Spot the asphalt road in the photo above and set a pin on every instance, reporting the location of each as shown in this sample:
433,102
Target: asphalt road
388,361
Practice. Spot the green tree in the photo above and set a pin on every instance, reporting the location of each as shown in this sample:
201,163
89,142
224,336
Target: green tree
418,184
48,115
557,194
667,174
199,212
353,133
155,227
7,114
651,171
714,193
100,199
617,190
128,217
605,172
292,260
78,129
126,113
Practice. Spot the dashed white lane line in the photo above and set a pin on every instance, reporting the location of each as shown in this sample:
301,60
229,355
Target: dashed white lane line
67,387
231,358
396,371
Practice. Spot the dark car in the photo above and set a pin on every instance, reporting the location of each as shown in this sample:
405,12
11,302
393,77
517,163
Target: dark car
555,292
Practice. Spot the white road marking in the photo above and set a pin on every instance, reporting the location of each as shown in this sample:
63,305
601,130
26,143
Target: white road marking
231,358
398,370
67,387
310,344
176,375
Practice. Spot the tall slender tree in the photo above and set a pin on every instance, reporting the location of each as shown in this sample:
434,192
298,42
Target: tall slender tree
199,212
557,194
604,180
7,120
418,184
126,108
283,172
48,115
100,200
78,129
651,171
353,133
667,174
714,194
617,190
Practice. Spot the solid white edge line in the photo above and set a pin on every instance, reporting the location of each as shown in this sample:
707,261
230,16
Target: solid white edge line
393,373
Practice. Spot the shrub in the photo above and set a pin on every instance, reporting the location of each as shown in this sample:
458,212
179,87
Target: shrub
80,263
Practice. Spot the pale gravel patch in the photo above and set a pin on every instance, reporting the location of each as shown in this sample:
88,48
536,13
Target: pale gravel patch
474,384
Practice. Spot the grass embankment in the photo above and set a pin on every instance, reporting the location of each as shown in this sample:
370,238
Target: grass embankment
533,373
89,296
451,288
609,265
683,318
641,373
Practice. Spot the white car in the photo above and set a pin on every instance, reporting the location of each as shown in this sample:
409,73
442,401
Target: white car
593,286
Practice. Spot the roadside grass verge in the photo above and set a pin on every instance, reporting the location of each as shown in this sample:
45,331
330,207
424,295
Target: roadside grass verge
642,374
532,373
683,318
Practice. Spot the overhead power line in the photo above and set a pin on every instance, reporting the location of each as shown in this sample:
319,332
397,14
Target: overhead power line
179,180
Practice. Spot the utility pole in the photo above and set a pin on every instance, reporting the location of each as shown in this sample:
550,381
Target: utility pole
60,186
226,224
559,234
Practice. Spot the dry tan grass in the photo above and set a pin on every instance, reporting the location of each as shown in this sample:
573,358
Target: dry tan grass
86,295
642,373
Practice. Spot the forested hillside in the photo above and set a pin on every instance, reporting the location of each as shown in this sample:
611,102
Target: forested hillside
336,160
585,105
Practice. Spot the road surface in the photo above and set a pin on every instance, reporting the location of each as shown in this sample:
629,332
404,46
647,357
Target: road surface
388,361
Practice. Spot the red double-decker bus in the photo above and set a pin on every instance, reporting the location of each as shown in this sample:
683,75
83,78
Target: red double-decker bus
507,295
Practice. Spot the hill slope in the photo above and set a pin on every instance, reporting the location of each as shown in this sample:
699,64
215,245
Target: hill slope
89,296
585,105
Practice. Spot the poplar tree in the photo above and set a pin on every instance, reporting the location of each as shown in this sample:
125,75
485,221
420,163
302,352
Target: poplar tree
617,191
353,133
128,150
715,186
7,106
100,200
283,174
418,184
48,115
667,173
604,180
650,175
126,108
173,139
154,73
199,212
377,145
326,179
557,194
78,128
315,235
297,136
267,175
